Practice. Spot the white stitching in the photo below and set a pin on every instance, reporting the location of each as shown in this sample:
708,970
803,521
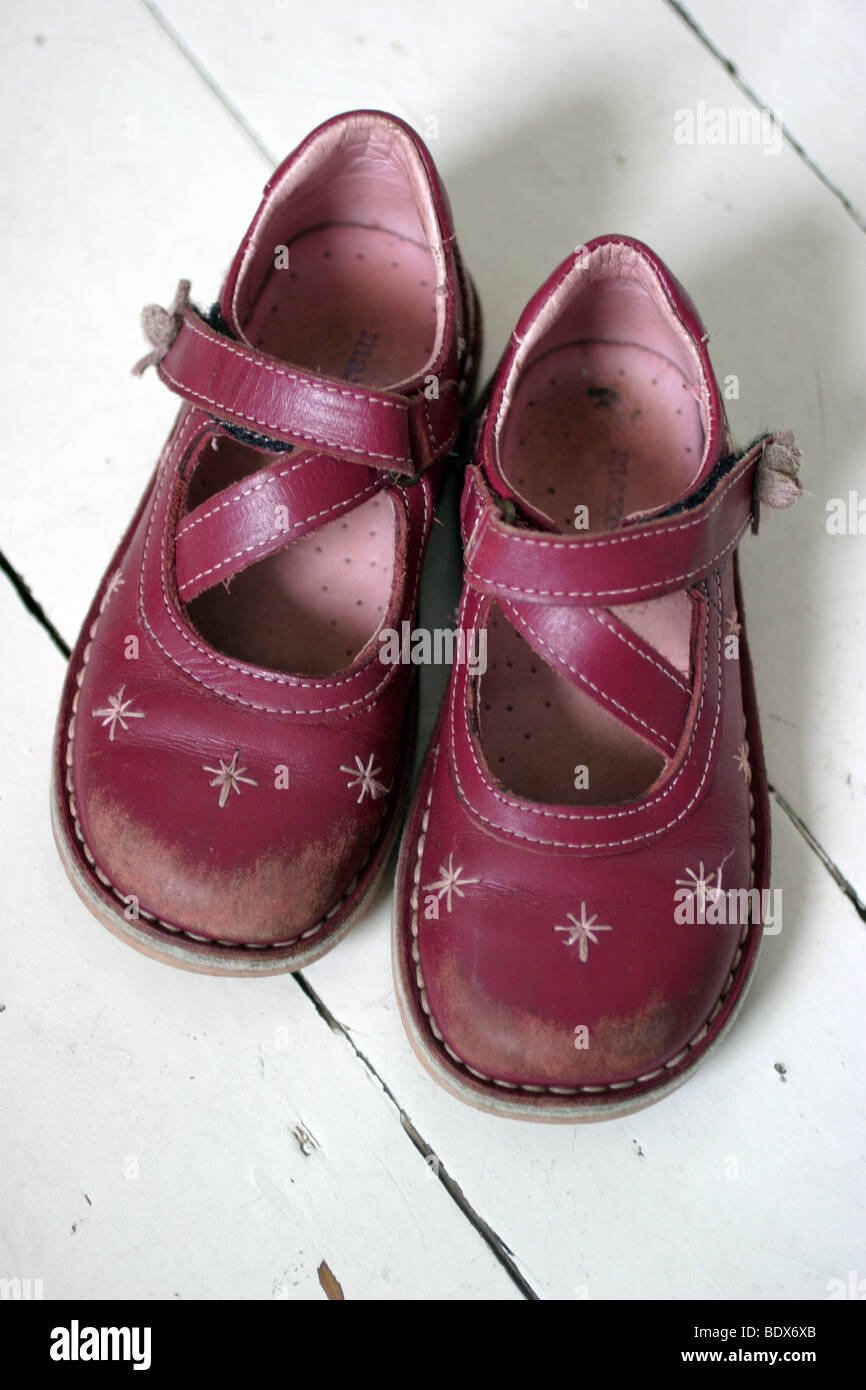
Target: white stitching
674,579
310,382
638,651
315,385
291,682
556,1090
187,525
275,677
430,435
644,536
179,931
577,546
647,804
337,446
602,694
285,532
568,1090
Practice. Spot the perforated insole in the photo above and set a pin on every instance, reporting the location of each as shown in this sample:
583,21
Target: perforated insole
613,428
608,426
356,303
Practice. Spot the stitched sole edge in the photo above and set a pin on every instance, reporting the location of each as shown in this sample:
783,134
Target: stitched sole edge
212,958
551,1105
586,1112
202,957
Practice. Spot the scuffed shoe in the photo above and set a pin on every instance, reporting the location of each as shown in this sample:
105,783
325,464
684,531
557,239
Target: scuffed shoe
578,908
231,753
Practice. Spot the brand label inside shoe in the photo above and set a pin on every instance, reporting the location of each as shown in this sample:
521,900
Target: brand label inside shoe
362,350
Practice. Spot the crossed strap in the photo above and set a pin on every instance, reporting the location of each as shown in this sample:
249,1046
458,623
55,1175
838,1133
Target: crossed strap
346,441
264,512
558,590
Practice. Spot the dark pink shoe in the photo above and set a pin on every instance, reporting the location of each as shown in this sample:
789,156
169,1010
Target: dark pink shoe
579,908
231,753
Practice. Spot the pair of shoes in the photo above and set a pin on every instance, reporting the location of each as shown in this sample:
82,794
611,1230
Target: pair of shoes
233,752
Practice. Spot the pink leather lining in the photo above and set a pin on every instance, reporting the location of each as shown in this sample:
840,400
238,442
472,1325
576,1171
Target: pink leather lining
362,169
614,292
306,588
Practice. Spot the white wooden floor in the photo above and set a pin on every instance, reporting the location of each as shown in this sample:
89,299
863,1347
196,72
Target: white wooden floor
165,1135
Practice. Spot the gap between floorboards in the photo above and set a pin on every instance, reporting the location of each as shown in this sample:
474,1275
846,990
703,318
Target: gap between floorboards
732,70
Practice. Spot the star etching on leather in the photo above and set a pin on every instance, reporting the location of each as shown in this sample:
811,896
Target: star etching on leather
115,583
741,758
365,777
228,777
700,884
117,712
733,624
450,881
582,932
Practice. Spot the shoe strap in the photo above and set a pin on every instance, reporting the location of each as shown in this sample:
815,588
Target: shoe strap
241,386
259,515
644,559
612,664
557,591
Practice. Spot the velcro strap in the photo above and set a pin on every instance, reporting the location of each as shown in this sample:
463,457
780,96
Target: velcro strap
640,561
241,386
264,512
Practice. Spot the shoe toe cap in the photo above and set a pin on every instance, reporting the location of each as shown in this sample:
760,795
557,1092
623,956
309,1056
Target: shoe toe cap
559,989
216,846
